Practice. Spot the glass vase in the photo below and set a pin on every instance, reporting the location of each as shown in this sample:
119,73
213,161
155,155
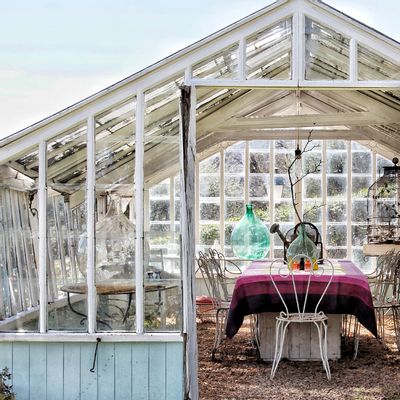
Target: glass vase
250,238
302,245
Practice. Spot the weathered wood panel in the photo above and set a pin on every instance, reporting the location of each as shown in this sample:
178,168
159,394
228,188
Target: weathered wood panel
123,371
72,371
301,342
37,370
55,371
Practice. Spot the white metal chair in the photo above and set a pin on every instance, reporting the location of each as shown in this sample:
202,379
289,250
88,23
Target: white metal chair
385,289
219,276
297,309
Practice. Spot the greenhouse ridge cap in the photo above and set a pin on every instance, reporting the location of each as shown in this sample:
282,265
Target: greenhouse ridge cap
181,53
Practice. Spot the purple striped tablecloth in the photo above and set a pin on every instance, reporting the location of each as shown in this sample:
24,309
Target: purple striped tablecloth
348,293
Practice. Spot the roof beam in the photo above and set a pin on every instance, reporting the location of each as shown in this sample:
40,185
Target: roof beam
310,120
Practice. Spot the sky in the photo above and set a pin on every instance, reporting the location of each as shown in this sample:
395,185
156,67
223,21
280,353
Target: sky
54,53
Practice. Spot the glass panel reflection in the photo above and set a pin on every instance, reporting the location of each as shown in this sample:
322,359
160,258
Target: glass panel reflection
373,66
222,65
326,52
269,52
161,264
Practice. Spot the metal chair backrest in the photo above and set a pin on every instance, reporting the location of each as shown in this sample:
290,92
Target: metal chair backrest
218,274
385,284
294,286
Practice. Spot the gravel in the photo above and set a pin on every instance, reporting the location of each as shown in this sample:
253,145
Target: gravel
239,375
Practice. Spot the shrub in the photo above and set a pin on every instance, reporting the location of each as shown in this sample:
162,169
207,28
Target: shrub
6,391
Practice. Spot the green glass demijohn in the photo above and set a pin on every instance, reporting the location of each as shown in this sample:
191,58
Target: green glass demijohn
302,245
250,238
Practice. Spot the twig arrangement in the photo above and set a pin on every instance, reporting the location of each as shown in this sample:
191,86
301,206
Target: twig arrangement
295,178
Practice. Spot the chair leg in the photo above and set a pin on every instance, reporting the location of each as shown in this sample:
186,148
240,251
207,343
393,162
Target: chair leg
322,328
396,323
280,332
219,327
356,337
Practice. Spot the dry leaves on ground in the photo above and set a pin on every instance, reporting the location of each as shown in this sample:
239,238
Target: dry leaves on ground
238,375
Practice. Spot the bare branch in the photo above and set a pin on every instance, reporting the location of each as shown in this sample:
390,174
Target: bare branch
313,169
313,208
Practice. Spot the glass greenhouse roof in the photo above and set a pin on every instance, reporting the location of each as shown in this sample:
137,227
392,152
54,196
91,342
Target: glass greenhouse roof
263,86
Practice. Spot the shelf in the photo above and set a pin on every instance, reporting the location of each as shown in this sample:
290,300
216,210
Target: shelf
379,249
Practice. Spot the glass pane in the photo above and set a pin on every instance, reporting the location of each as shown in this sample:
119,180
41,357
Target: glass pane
380,163
234,186
234,160
209,185
312,211
261,209
336,211
161,264
372,66
335,144
209,234
312,187
336,253
360,185
210,165
259,145
336,186
326,53
67,234
259,162
361,162
359,234
209,211
115,225
222,65
363,262
284,212
336,162
234,210
337,235
269,52
359,211
19,285
258,185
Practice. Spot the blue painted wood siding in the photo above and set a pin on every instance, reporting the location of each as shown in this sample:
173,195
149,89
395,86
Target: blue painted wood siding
61,371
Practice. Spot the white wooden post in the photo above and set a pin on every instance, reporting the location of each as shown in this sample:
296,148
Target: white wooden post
187,171
91,224
349,200
139,191
42,201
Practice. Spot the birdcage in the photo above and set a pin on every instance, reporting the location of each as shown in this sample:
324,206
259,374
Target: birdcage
383,207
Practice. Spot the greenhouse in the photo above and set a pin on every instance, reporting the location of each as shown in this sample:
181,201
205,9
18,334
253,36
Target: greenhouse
105,205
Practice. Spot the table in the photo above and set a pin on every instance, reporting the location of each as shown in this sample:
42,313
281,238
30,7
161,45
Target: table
348,293
114,287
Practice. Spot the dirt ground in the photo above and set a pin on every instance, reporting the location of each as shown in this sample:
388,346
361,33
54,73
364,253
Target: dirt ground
238,375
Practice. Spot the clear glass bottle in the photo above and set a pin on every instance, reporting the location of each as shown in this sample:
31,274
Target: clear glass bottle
250,237
115,243
302,245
